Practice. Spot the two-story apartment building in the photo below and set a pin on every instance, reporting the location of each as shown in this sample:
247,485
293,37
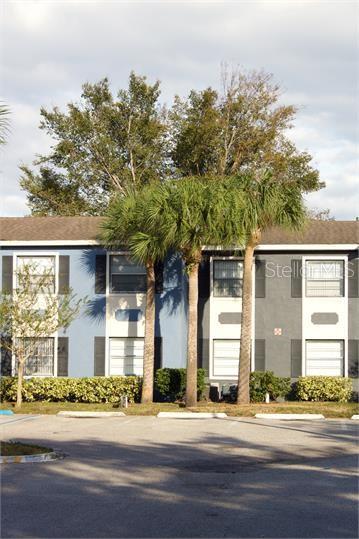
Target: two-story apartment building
306,301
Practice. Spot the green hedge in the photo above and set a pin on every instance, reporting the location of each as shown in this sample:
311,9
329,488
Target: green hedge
91,390
261,383
323,388
170,384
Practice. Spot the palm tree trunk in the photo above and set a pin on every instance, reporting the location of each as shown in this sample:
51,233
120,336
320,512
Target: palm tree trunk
191,374
149,349
20,375
246,326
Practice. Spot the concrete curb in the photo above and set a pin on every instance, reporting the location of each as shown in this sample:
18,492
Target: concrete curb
291,417
355,417
40,457
91,414
192,415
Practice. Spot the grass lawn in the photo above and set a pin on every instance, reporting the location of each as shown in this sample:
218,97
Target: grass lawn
328,409
14,449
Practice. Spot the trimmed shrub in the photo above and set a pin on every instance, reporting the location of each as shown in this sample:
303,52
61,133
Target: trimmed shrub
170,384
323,388
261,383
91,390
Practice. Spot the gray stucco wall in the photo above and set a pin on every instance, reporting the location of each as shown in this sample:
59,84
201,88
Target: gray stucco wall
278,310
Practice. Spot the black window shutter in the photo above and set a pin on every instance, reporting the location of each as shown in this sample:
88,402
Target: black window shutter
100,274
158,353
296,278
203,353
353,358
204,285
260,288
64,274
159,277
259,355
296,357
7,274
99,356
62,356
353,278
6,357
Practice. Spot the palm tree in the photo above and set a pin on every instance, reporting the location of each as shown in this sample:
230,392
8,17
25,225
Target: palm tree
197,212
4,123
131,221
267,203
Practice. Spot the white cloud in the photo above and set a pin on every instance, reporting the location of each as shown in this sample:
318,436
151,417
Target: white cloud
311,47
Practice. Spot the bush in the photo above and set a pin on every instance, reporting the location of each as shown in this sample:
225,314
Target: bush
91,390
261,383
323,388
170,384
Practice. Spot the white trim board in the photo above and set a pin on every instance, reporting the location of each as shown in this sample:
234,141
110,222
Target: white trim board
262,247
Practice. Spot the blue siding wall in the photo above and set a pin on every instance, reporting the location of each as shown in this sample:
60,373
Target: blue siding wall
171,313
171,317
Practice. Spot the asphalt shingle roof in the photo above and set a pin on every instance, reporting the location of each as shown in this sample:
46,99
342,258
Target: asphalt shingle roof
87,228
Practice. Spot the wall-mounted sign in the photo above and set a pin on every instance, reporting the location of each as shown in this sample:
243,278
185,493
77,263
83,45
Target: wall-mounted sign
277,331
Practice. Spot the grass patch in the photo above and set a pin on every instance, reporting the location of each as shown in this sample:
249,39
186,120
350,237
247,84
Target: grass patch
328,409
16,449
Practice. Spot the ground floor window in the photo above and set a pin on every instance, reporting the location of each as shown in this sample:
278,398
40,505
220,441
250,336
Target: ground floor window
126,356
41,359
225,358
324,358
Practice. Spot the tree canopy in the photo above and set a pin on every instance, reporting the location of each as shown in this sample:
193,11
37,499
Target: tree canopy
102,144
106,144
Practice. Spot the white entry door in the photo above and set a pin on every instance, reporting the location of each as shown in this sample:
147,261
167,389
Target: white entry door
324,358
126,356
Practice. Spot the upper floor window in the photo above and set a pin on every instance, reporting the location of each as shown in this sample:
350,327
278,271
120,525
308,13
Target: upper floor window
41,271
324,278
126,275
227,278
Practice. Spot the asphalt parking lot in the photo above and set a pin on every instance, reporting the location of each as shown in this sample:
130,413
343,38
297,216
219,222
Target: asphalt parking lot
151,477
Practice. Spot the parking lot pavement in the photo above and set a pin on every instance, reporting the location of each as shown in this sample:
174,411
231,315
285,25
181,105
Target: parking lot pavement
150,477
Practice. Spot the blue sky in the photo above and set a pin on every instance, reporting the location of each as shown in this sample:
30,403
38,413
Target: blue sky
49,48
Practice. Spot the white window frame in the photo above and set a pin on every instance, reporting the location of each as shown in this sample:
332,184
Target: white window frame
35,254
211,376
110,292
224,377
109,353
223,258
327,299
306,341
323,261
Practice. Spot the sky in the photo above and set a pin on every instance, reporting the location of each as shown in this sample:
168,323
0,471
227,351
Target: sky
50,48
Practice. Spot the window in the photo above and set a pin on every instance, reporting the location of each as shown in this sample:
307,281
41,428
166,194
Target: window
41,361
227,278
126,276
126,356
324,278
38,267
324,358
225,358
